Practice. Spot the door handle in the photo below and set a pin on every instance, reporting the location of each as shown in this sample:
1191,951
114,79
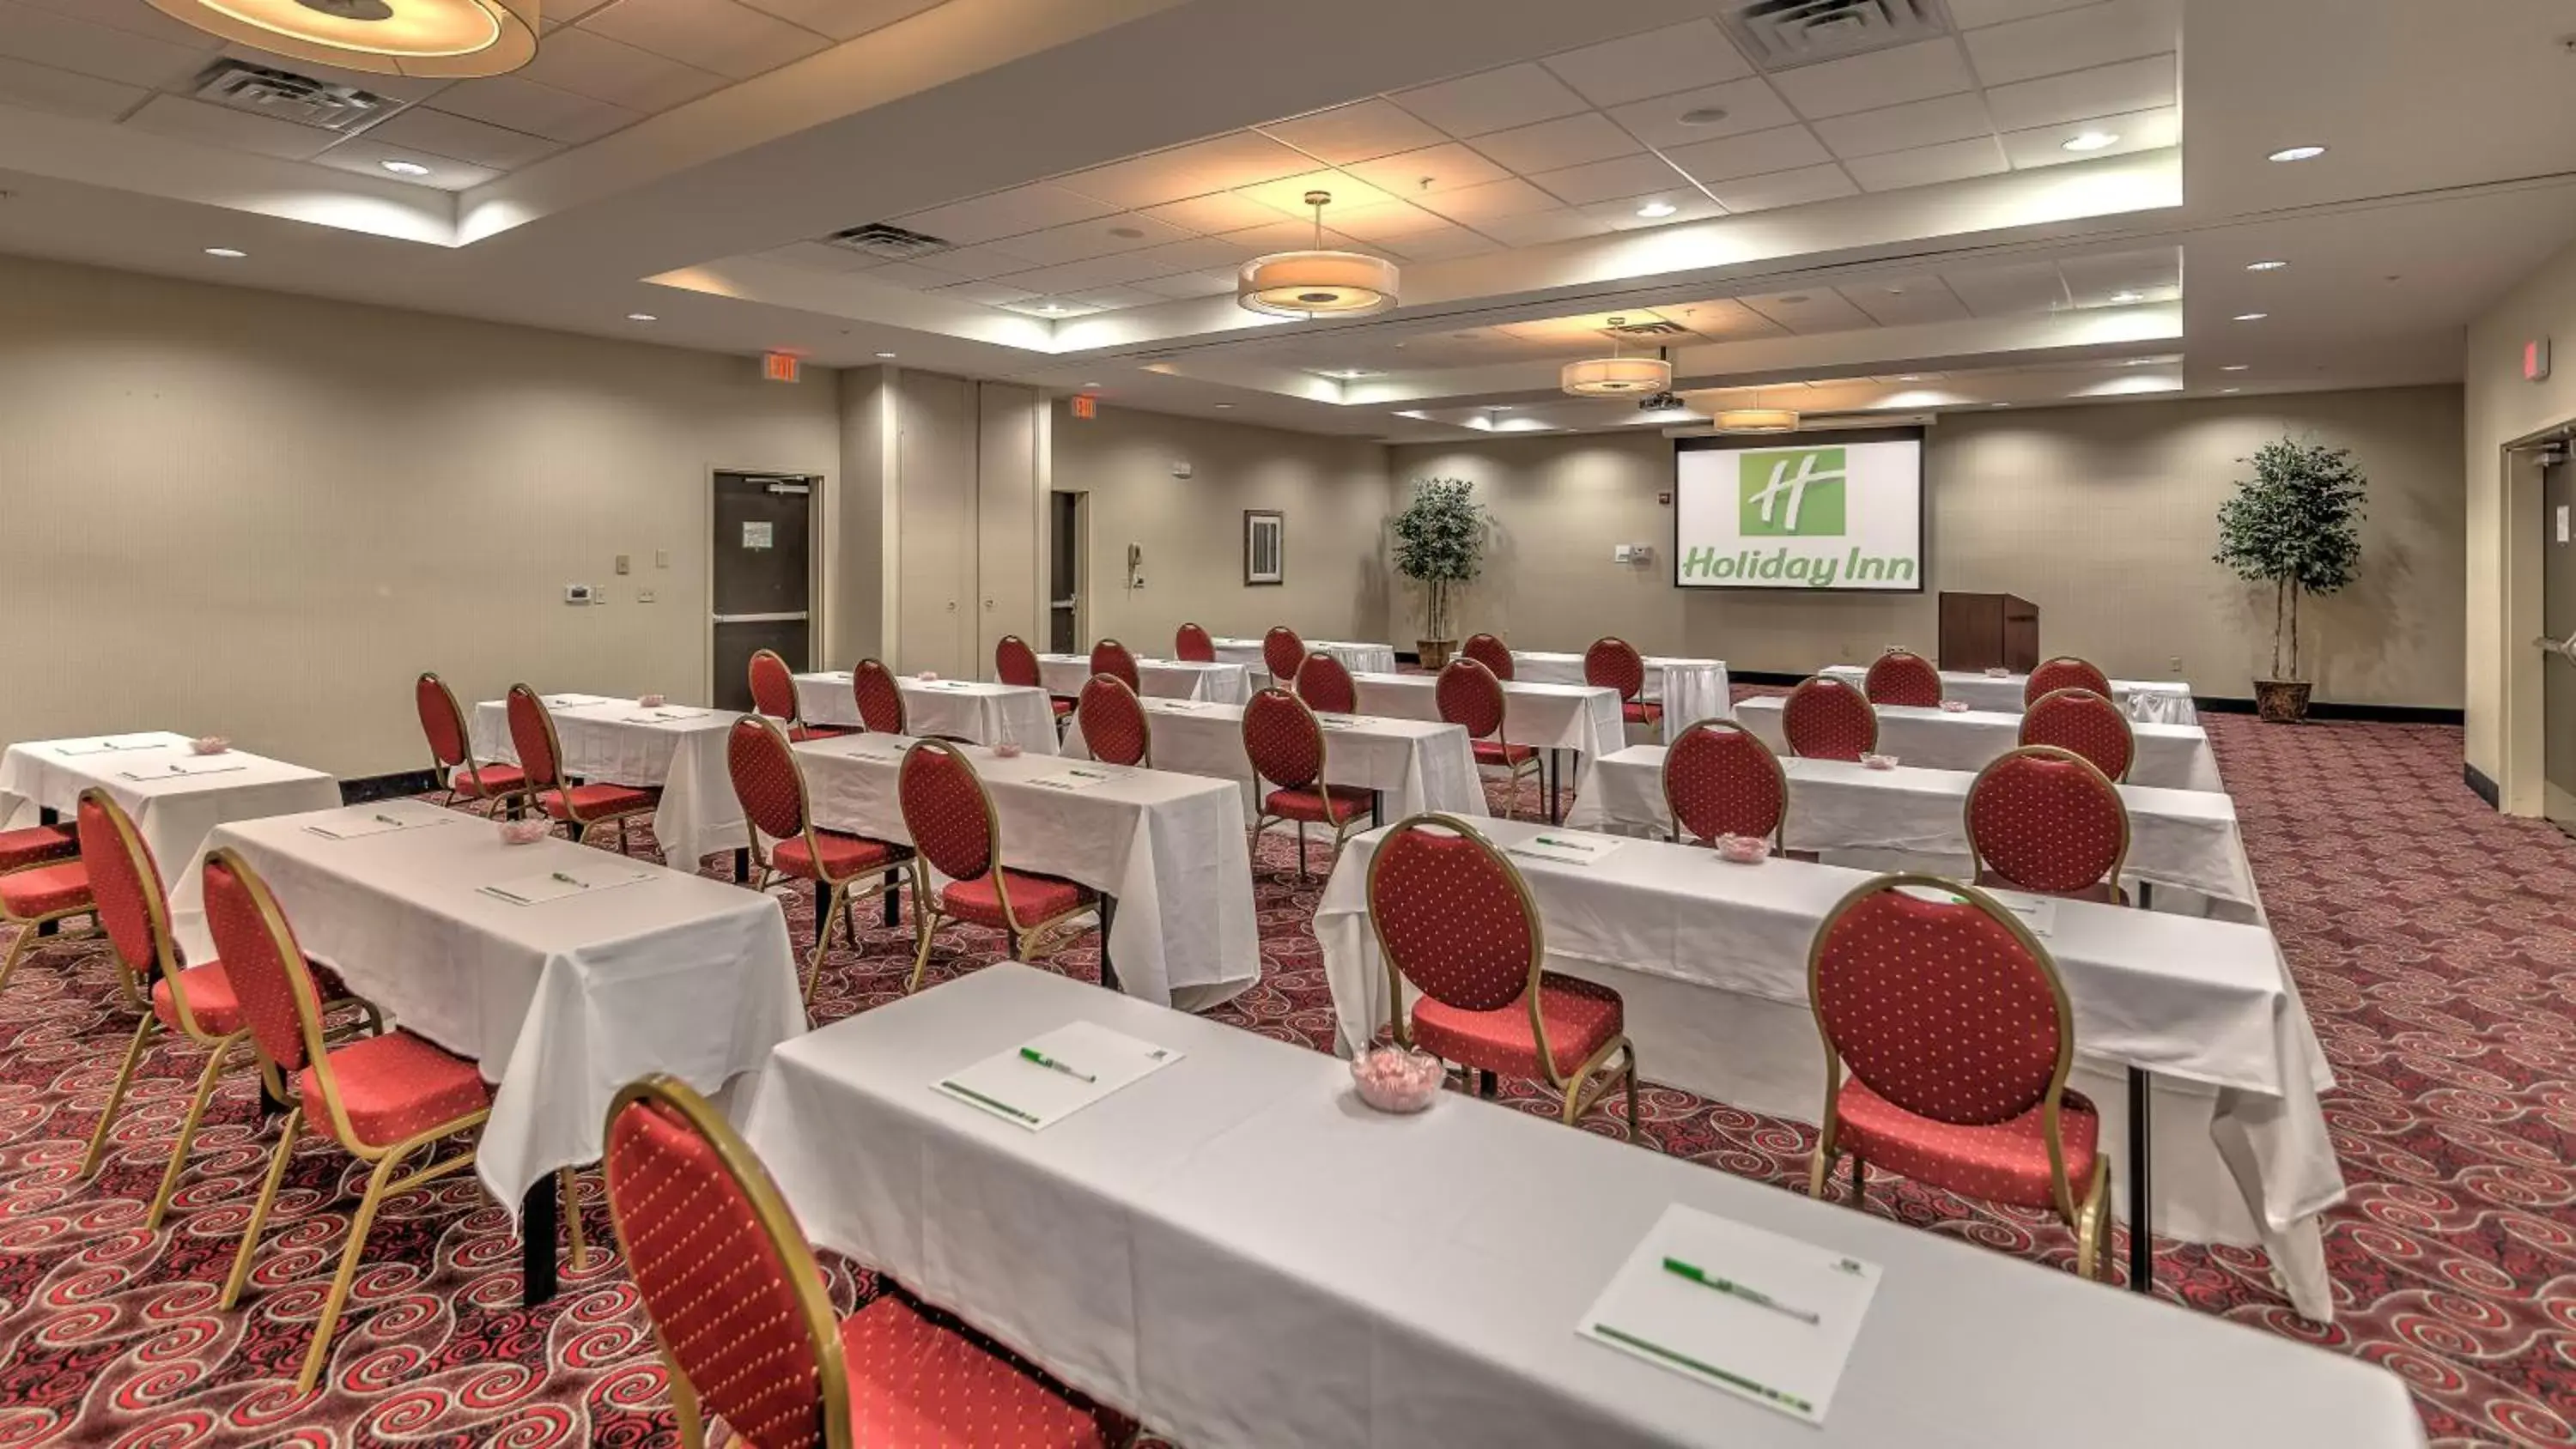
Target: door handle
2563,648
798,617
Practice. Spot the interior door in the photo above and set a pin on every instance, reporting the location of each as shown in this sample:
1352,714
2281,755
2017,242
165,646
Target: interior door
2558,624
763,588
1064,572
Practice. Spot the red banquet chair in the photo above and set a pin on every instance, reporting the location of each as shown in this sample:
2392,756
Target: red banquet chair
1285,743
1193,644
1325,685
1957,1038
1490,651
1613,663
773,693
1902,677
880,698
1468,695
745,1323
1720,779
583,807
771,786
36,845
1114,726
442,719
955,831
1015,663
2047,820
1282,652
2064,672
1826,719
1454,920
1113,659
2086,722
35,895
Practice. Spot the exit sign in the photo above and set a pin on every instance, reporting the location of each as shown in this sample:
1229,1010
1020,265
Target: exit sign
2535,359
781,366
1085,405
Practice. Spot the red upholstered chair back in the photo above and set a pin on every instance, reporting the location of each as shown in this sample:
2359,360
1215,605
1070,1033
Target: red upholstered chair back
773,687
1113,721
1614,663
1490,651
1190,642
1326,686
1826,719
1281,652
1468,694
1940,1002
2064,672
442,720
1902,677
879,697
2085,722
2046,820
1014,662
1452,916
1283,740
723,1269
263,962
1720,779
1111,658
126,885
766,778
946,810
532,732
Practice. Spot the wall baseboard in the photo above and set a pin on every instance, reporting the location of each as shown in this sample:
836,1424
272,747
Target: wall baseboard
2480,786
386,787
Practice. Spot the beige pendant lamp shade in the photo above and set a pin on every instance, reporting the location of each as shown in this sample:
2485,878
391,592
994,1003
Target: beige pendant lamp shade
1615,375
381,37
1319,282
1757,420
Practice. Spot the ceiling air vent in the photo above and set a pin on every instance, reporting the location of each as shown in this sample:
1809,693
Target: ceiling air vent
285,96
1779,34
887,242
1648,329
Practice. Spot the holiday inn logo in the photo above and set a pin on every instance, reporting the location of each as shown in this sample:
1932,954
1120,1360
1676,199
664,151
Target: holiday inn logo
1791,493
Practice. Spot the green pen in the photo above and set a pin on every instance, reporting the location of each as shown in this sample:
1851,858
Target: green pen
1729,1286
572,880
1712,1370
1562,844
1032,1054
387,820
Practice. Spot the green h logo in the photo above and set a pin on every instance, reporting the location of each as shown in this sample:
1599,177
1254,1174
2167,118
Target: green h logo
1793,492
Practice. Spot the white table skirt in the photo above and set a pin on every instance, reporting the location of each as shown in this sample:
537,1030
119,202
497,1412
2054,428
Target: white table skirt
1690,690
1416,765
1916,819
1544,716
560,1003
1218,683
2147,701
957,709
2175,757
1712,959
1358,658
613,741
173,812
1237,1253
1170,848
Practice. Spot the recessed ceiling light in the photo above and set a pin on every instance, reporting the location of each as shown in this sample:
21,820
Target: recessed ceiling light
1703,116
1091,384
2126,296
2265,266
2090,141
885,354
2236,367
1653,209
642,317
1225,405
1050,306
2231,389
1910,377
2003,405
405,168
2251,316
2297,153
227,253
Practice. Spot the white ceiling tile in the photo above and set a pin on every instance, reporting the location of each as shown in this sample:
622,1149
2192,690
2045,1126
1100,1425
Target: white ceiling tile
1357,132
466,140
1659,62
842,19
1773,150
2131,85
1749,105
1900,128
1973,14
975,263
208,125
718,35
2008,290
1783,188
816,256
1609,180
1554,145
1725,319
1538,228
1287,195
524,105
1477,205
1124,268
2074,40
1218,212
1447,244
565,12
1386,224
1819,309
1282,235
1905,302
1516,95
1914,72
984,294
1051,307
1448,167
364,155
1689,203
44,37
2142,131
1111,299
65,93
1004,213
2094,280
590,64
132,15
1190,284
1928,165
1222,163
910,276
1095,238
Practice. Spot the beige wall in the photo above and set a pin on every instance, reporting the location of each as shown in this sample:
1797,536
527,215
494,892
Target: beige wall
260,515
2102,515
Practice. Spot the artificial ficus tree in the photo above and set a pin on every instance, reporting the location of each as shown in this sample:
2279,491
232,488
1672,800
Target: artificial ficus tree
2296,525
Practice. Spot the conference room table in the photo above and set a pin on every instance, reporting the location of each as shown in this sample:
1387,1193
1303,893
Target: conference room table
1689,690
2176,757
2200,1016
1167,851
2147,701
1358,658
1236,1252
677,749
1217,683
1554,719
955,709
1413,765
2185,842
174,795
559,1001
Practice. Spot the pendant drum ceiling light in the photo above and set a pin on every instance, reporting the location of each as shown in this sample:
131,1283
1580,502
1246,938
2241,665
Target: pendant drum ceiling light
1756,419
1317,283
1615,376
382,37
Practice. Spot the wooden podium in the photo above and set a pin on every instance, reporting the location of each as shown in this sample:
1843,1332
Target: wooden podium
1988,631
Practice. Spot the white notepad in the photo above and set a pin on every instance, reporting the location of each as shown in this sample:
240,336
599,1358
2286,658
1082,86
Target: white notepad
358,827
181,769
1036,1096
665,716
1566,847
556,885
1075,778
111,745
573,701
1336,721
2038,913
1787,1353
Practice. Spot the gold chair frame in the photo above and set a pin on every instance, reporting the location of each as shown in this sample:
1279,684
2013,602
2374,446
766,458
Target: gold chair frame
1968,817
839,899
582,826
2128,731
1664,777
902,712
1502,720
1146,761
1261,816
2027,700
28,926
493,800
794,719
1652,710
1026,940
1824,684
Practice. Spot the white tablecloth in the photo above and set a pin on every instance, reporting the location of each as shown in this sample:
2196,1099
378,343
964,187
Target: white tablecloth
560,1003
1690,690
173,811
1238,1253
1544,716
616,741
1916,818
1358,658
957,709
1712,959
2176,757
2148,701
1218,683
1416,765
1170,848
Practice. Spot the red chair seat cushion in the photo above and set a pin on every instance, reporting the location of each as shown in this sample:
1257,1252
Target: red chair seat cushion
914,1383
1035,899
394,1086
1495,752
598,802
37,845
799,734
2006,1162
2101,890
1062,705
47,890
211,999
1325,804
843,856
1582,1017
1638,711
497,780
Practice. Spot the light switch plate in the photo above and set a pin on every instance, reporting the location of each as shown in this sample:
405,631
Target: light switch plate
625,565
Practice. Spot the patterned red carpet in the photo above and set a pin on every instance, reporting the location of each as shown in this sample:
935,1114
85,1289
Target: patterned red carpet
2432,938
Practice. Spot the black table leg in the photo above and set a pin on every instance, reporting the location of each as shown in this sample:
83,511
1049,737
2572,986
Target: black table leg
2142,1237
894,898
822,909
742,865
537,1226
270,1104
1108,922
1555,765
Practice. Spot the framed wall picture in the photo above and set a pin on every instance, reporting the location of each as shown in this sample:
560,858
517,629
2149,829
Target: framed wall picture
1265,539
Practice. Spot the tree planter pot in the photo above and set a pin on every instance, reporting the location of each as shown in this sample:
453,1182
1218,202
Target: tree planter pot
1434,654
2281,701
